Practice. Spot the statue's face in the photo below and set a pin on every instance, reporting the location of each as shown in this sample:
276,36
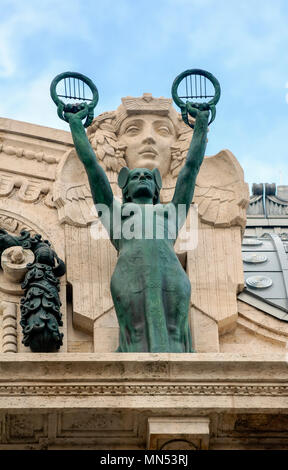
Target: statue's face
141,183
148,139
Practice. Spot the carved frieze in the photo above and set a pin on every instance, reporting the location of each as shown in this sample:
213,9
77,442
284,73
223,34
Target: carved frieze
145,390
25,189
28,154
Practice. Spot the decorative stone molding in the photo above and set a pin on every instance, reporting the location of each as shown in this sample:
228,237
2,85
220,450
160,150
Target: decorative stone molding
16,223
28,154
116,370
9,327
25,189
145,390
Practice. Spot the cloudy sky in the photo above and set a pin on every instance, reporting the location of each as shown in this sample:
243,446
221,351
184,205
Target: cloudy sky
128,47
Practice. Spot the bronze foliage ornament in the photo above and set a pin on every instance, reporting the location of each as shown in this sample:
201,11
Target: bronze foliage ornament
40,307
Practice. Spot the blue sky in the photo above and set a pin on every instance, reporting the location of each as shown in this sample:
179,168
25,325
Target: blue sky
128,47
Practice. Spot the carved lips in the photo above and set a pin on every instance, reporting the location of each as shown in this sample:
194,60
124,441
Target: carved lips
148,151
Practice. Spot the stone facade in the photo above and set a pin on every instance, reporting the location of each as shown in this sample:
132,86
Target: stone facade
232,393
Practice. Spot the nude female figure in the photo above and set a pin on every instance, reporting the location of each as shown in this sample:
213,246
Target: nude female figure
150,289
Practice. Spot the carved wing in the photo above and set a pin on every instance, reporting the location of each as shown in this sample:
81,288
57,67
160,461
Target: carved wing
221,194
90,262
71,192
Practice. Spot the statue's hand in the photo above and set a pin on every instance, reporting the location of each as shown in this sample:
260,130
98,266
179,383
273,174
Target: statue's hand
194,109
203,113
200,112
75,111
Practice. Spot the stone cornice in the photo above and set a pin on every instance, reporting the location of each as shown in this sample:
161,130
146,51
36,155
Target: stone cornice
12,126
179,382
161,370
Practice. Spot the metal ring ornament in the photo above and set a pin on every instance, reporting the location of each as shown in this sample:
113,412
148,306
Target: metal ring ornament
61,105
191,107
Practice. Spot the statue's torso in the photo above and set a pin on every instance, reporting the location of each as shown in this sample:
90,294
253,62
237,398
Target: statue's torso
146,248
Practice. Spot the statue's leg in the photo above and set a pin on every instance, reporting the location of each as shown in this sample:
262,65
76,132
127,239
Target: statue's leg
155,315
177,305
130,311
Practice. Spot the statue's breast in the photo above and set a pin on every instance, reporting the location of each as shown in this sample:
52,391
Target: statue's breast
149,221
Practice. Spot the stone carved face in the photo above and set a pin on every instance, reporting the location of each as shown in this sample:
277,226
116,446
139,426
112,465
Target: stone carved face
131,138
147,139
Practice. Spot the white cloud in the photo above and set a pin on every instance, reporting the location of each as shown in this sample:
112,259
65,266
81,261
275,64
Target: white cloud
33,102
48,18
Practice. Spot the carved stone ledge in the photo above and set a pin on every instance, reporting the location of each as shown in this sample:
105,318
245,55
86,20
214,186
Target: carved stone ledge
145,374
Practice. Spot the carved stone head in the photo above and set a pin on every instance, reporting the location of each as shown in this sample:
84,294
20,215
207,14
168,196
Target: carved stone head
143,132
147,140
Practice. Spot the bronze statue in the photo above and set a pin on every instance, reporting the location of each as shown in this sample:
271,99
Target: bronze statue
150,289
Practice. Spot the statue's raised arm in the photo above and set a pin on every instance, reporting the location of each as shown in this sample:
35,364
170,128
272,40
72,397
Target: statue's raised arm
99,183
65,89
186,180
197,87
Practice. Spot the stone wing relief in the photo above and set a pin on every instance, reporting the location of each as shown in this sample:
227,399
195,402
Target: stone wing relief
215,266
72,195
221,194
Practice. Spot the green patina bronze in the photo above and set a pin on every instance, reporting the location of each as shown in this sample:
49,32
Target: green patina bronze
150,289
40,307
74,89
190,105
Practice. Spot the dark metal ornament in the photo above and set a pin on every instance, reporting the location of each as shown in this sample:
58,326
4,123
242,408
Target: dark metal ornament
40,307
195,94
74,85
